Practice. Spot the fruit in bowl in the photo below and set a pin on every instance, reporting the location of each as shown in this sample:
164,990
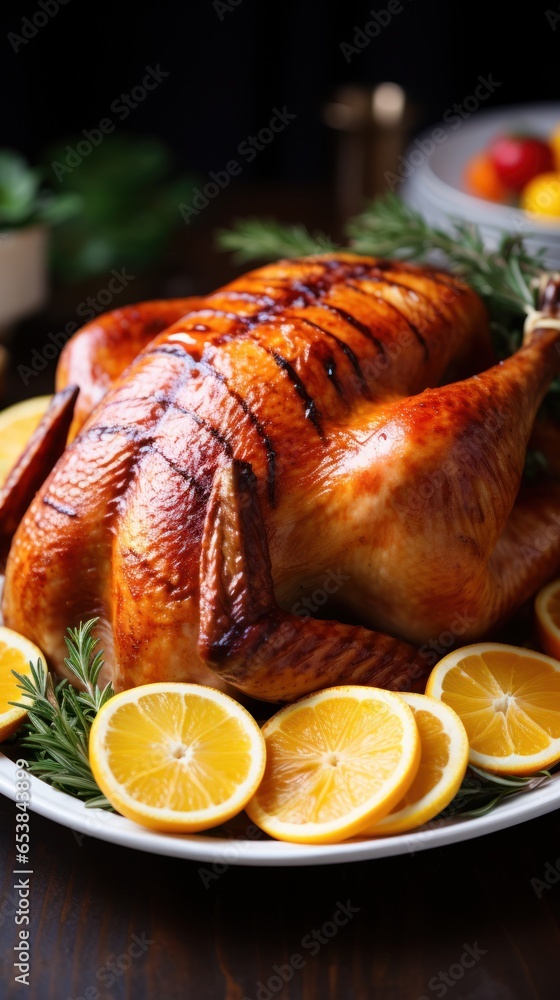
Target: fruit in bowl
519,170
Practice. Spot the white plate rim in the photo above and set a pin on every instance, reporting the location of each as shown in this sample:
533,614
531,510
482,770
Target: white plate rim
221,851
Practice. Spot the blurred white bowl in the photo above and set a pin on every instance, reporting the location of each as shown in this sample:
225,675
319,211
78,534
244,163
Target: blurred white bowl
435,187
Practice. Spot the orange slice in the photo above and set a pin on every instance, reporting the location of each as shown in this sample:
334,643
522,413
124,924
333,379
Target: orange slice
336,761
15,654
17,424
509,701
443,763
176,757
547,610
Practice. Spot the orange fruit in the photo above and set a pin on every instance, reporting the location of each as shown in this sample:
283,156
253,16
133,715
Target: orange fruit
176,757
17,424
481,179
443,763
16,652
547,611
337,760
509,701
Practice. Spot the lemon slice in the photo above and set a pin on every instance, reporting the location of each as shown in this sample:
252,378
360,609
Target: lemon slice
509,701
17,425
336,760
443,763
176,757
15,654
547,611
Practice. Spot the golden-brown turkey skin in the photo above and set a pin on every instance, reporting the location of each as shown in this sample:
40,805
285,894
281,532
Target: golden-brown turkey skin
99,352
294,393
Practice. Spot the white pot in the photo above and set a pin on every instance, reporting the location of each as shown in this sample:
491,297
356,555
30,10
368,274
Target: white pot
23,273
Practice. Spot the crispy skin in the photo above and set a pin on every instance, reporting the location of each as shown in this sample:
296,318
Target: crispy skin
28,474
293,435
96,356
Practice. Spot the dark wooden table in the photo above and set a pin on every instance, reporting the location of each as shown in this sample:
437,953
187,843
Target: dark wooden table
466,922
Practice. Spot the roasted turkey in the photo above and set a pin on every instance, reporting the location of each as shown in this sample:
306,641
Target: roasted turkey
306,478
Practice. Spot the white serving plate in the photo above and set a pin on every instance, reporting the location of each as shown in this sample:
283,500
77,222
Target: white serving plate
220,849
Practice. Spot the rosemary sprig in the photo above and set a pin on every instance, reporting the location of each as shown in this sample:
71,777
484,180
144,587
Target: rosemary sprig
481,791
389,228
60,718
506,278
262,239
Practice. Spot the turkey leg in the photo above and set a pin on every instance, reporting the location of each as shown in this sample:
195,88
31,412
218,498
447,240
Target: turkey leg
450,518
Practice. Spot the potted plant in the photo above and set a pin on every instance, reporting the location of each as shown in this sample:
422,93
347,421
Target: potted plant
26,212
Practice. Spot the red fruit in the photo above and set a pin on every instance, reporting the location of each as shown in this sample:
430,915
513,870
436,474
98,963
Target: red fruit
519,158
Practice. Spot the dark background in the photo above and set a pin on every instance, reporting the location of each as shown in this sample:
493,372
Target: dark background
229,68
230,63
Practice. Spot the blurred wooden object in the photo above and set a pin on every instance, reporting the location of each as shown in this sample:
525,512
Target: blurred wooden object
3,370
373,126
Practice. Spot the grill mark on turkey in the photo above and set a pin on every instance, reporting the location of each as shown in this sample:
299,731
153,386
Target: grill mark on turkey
329,364
436,276
415,330
411,292
210,370
347,350
147,446
310,408
192,480
356,323
312,291
60,507
201,422
127,431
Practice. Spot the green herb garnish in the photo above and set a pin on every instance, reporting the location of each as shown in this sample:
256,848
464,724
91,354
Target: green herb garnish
60,718
481,791
266,240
